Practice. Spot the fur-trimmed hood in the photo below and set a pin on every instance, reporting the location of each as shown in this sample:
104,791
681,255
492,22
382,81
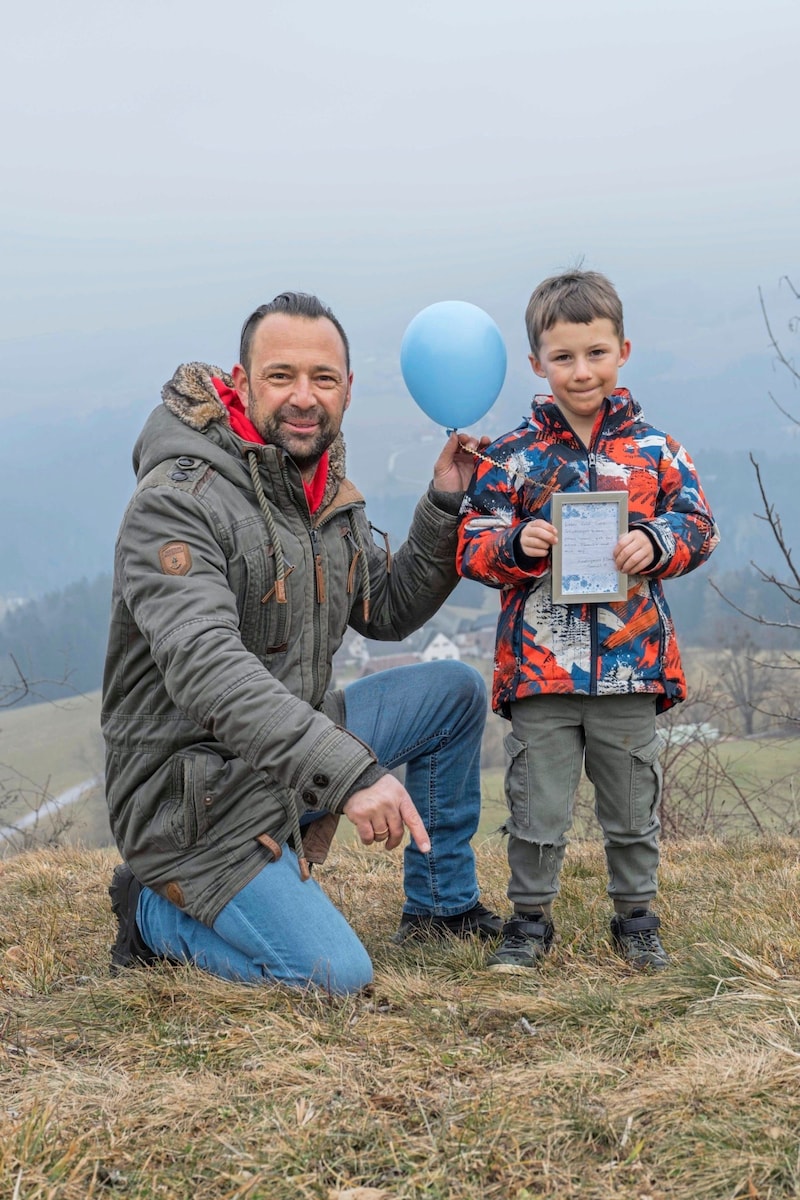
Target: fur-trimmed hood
192,410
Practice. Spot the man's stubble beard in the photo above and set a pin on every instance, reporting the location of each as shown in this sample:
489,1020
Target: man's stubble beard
307,454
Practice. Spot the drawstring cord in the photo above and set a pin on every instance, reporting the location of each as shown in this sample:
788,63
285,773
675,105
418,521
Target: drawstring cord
366,586
272,529
280,597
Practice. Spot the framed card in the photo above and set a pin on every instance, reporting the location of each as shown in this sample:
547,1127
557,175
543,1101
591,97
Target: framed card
589,526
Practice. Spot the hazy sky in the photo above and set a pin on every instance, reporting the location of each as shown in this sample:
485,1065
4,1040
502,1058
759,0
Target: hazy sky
169,164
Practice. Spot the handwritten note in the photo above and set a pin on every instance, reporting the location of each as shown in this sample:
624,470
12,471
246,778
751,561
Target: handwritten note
589,526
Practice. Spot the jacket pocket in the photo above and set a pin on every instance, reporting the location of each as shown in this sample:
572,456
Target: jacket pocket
516,782
194,774
645,783
263,615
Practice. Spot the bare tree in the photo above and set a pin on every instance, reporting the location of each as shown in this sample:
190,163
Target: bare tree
745,676
785,579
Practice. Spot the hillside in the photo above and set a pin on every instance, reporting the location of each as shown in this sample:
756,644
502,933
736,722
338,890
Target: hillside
46,749
446,1082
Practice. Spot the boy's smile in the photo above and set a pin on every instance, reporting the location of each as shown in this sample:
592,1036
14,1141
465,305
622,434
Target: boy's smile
581,364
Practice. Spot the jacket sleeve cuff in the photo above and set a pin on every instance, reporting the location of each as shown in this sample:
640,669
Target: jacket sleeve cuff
365,780
660,553
446,502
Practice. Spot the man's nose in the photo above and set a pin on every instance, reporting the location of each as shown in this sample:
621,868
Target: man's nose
303,392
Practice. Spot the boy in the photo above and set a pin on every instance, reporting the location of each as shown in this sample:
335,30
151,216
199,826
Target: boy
582,680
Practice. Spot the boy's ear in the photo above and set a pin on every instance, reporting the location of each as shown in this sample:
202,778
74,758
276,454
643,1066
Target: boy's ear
536,364
624,353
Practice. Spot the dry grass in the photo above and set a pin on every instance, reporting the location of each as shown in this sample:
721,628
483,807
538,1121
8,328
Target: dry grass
446,1082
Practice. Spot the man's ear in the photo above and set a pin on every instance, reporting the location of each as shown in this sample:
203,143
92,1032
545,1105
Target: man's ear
242,385
349,396
536,365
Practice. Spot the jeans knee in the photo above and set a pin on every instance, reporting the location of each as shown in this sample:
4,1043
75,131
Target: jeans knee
350,975
466,685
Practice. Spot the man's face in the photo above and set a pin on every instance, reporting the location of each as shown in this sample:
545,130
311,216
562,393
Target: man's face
297,387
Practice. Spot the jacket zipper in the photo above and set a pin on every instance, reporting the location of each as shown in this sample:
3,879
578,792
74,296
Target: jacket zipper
319,570
591,458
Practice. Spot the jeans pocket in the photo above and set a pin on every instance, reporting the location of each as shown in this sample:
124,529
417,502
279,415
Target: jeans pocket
645,786
516,783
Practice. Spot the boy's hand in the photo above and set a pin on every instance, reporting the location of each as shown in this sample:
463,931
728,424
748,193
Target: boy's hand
453,468
537,538
634,552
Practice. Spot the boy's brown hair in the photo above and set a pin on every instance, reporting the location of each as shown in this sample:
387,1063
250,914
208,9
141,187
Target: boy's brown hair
578,297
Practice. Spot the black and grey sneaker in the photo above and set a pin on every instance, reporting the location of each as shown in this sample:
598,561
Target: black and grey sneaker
477,921
526,940
636,939
130,949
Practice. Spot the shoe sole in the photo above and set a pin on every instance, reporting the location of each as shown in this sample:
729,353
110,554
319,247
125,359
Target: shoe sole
512,968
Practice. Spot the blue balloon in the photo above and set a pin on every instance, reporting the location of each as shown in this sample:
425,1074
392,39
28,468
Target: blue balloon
453,360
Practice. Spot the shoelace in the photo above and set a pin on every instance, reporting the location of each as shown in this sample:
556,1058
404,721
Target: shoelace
646,939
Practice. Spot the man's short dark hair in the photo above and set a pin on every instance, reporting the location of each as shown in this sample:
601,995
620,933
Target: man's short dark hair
294,304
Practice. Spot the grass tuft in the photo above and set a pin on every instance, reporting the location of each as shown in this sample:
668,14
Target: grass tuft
446,1081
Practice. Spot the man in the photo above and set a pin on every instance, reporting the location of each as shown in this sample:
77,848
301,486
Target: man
242,558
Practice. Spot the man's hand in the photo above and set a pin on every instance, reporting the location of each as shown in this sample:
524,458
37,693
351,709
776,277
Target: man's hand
537,538
380,814
453,468
634,552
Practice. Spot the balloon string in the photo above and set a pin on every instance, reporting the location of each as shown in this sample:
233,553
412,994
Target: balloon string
491,461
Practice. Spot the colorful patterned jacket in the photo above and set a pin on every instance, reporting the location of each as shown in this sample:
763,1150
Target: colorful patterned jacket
599,649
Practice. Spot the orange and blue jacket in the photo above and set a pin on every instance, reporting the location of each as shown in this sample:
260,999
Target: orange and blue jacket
609,648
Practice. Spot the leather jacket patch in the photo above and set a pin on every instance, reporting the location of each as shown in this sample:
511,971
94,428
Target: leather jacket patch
175,558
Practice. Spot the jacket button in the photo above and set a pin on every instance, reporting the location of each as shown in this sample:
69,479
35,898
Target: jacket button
310,798
178,475
185,461
321,780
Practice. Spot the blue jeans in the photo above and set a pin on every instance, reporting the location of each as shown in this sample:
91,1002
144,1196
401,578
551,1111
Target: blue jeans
430,717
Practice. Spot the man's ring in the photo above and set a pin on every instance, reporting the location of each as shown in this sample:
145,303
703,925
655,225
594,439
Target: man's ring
381,835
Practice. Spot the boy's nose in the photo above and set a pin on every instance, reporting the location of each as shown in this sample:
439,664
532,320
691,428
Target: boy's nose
581,369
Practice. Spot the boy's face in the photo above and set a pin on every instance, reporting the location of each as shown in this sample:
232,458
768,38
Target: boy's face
581,364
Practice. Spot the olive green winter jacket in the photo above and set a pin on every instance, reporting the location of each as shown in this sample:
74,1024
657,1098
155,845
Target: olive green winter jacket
229,602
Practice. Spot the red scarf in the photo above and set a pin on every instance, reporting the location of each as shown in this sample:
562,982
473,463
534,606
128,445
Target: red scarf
244,428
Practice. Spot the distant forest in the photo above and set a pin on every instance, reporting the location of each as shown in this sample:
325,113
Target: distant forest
57,642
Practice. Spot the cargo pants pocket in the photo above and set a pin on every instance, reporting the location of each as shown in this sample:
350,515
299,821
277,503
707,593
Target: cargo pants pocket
517,784
645,784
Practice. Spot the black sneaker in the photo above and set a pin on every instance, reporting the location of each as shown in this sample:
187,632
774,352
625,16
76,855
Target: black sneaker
477,921
636,939
526,940
129,950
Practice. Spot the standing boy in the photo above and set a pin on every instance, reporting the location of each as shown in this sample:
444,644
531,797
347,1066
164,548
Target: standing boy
583,680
